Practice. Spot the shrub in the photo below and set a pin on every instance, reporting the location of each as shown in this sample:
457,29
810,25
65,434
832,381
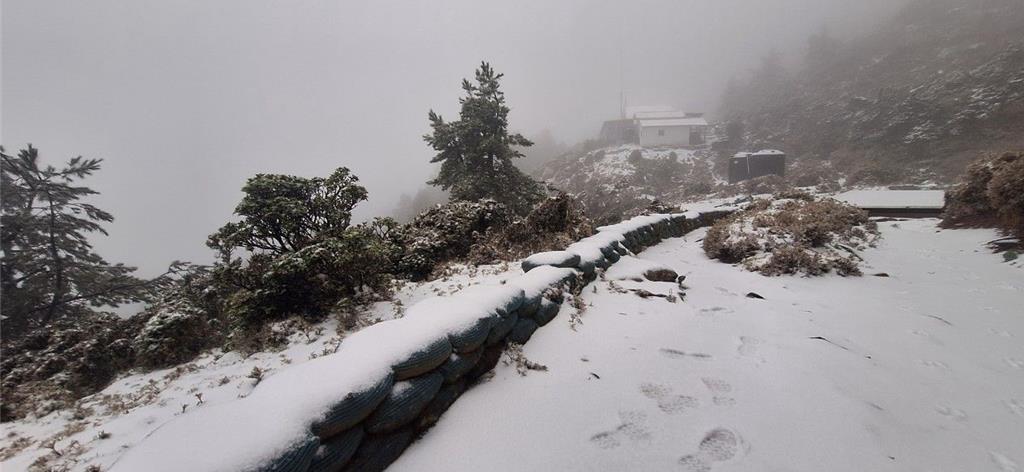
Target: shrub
795,233
1006,192
52,366
552,224
991,193
724,243
793,260
304,256
308,282
172,337
447,232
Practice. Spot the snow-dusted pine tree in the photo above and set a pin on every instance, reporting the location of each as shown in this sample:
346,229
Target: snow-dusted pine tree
476,151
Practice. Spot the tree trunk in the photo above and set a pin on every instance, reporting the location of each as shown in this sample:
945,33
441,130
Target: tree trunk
58,266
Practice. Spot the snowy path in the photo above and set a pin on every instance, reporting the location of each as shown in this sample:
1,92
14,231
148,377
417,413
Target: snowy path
923,370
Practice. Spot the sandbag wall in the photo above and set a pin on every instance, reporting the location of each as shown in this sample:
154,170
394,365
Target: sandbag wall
359,408
425,385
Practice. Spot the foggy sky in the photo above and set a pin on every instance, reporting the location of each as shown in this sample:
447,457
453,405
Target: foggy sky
186,99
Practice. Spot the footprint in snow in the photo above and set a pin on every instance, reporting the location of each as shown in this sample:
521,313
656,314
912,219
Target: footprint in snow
726,291
716,385
654,391
1000,332
1016,406
677,403
723,401
951,413
719,388
605,440
926,335
694,463
632,427
749,345
718,445
667,402
712,311
933,364
677,354
1004,463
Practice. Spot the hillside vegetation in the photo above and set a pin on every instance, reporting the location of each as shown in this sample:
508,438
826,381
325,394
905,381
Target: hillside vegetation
916,99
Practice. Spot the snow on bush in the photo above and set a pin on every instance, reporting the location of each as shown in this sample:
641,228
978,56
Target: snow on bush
793,233
991,193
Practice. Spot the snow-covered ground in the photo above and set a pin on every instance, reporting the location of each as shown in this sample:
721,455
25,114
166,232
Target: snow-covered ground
922,370
108,423
879,198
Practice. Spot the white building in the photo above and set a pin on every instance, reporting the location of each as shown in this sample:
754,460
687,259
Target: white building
654,126
664,126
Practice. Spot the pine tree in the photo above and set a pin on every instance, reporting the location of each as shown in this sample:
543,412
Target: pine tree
48,269
476,151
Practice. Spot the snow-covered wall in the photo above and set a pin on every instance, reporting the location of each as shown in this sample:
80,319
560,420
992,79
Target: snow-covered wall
359,408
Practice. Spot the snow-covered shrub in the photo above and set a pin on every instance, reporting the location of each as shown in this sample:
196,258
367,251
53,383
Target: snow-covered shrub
792,233
991,193
447,232
172,337
793,260
1006,192
310,281
51,367
720,244
552,224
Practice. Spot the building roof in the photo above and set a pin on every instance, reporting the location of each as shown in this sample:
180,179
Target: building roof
631,111
763,152
658,115
693,121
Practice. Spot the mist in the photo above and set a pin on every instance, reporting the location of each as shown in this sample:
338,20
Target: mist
186,100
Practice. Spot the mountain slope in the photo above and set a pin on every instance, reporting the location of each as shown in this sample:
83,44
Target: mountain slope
918,98
616,182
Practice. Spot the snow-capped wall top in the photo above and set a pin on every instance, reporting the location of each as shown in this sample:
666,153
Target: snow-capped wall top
278,415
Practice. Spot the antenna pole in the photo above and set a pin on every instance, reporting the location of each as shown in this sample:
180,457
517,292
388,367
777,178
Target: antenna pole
622,91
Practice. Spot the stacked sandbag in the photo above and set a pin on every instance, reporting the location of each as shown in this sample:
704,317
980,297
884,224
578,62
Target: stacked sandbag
550,258
358,409
541,280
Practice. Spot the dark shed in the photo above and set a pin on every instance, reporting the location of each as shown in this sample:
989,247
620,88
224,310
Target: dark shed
616,132
748,165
